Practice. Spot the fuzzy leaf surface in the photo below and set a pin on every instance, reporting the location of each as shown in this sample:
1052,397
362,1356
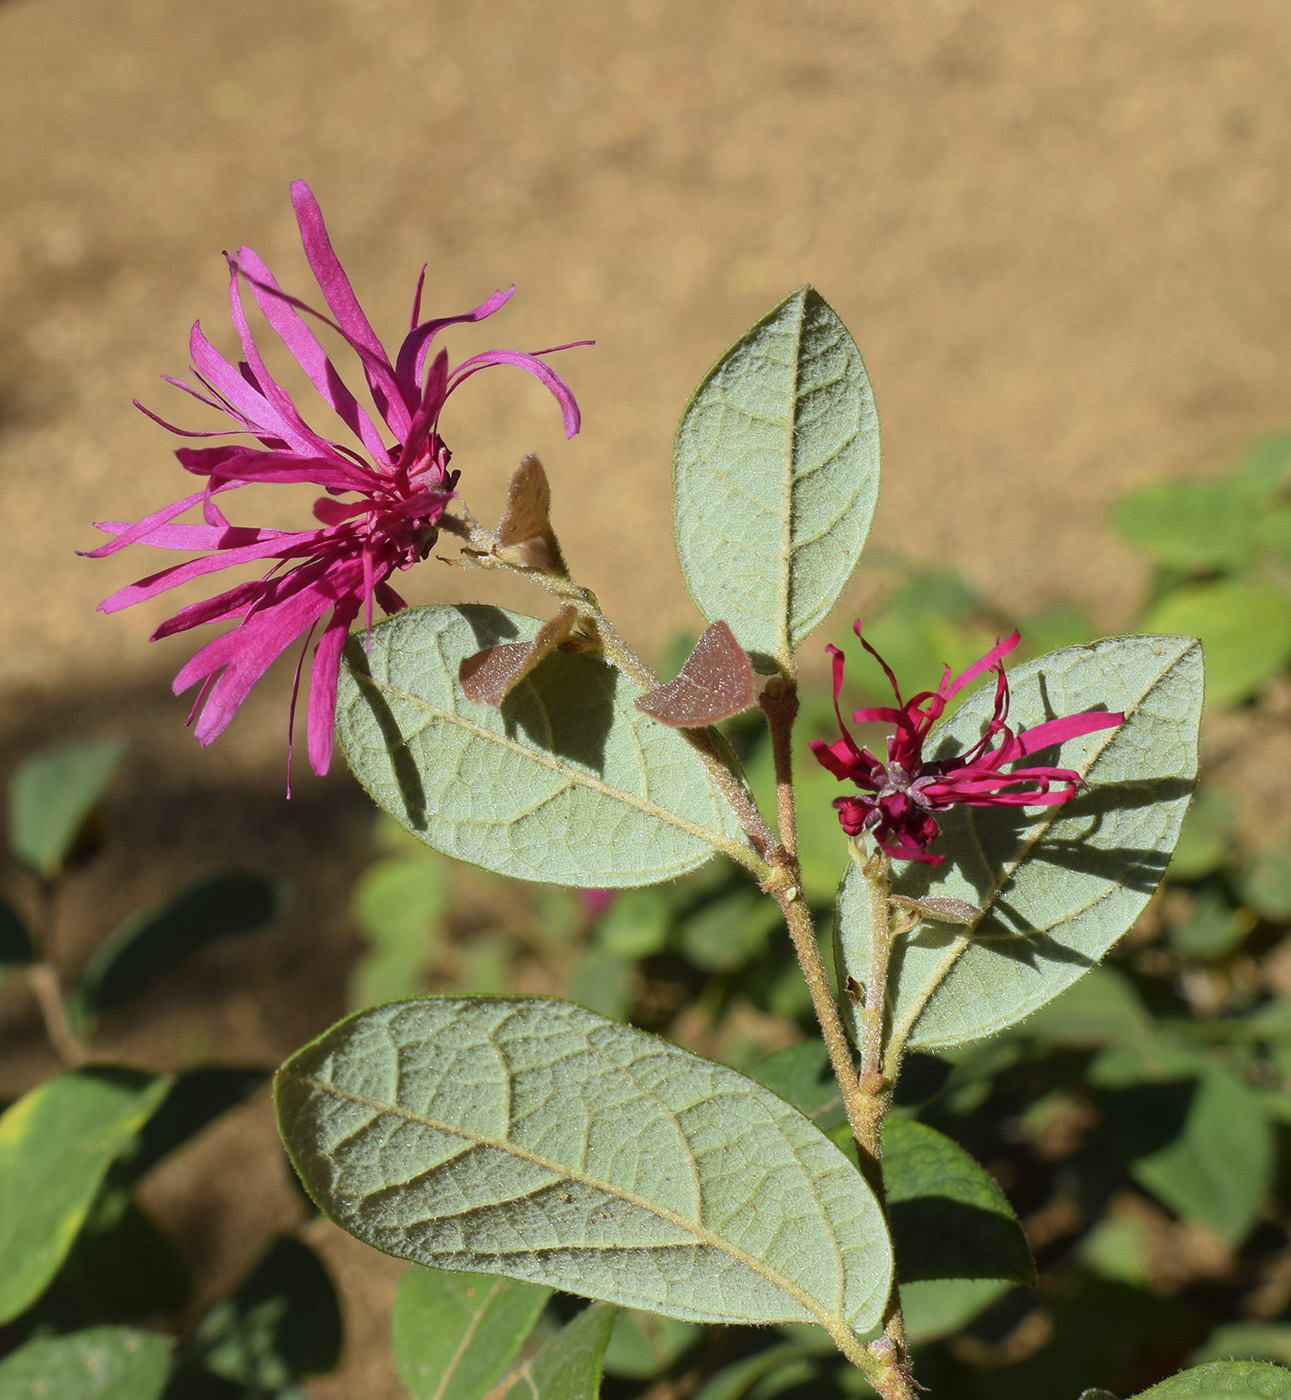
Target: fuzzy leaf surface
454,1335
775,474
1057,886
56,1145
100,1363
567,782
1224,1380
535,1139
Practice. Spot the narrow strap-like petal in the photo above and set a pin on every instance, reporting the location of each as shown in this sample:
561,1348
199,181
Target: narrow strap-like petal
1058,731
283,545
990,660
542,372
309,354
249,401
254,464
344,305
267,384
413,351
323,677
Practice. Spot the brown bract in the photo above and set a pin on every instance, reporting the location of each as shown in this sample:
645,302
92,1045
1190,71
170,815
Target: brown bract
488,675
715,683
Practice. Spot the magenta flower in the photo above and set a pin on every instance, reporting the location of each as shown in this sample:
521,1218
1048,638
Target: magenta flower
898,799
382,505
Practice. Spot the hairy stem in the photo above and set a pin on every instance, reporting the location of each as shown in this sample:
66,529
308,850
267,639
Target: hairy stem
876,1078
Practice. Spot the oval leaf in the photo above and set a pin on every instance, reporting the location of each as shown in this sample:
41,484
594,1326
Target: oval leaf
155,940
532,1138
569,1366
1224,1380
947,1216
50,797
56,1144
100,1363
1245,628
1057,886
568,782
454,1335
775,477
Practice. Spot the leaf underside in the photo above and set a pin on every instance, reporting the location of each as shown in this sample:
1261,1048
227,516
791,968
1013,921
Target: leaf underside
534,1139
776,476
1057,885
567,782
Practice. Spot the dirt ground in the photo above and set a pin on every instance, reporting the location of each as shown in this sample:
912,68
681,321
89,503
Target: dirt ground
1058,233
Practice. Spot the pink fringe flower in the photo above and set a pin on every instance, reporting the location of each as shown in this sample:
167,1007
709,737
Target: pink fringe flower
898,799
383,504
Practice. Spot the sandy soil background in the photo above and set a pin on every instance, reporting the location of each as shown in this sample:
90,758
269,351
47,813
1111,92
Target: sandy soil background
1059,234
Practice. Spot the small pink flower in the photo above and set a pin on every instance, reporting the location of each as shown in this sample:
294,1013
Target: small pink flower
897,799
381,510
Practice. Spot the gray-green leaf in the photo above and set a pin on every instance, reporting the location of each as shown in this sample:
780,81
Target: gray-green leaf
1059,885
50,797
776,476
454,1335
948,1218
1224,1380
100,1363
56,1144
568,782
532,1138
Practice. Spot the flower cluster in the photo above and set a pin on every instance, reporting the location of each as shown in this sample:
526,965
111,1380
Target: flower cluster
898,799
382,506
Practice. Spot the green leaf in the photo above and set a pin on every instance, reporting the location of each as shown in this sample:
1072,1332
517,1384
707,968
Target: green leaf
1206,838
396,903
569,1366
283,1321
775,475
101,1363
801,1075
737,1380
50,797
1224,1380
636,925
567,783
730,932
1101,1008
1265,884
1244,627
454,1335
193,1100
948,1218
941,1306
155,940
1255,1341
643,1344
1059,885
56,1145
1214,928
1194,524
15,942
121,1267
1220,1168
535,1139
